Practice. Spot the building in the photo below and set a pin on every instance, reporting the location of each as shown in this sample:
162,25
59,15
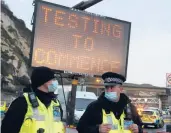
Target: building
145,94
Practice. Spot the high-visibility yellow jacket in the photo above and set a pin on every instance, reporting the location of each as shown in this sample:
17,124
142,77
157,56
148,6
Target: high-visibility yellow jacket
117,125
3,107
47,119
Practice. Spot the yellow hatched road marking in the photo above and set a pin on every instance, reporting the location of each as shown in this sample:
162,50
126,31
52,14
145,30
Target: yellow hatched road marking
167,120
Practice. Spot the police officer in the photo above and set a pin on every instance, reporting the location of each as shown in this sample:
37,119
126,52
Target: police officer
36,111
108,114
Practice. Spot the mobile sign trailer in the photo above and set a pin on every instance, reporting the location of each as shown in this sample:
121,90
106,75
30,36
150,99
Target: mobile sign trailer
67,39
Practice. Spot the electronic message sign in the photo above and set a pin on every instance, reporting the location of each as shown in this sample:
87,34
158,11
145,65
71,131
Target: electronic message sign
77,41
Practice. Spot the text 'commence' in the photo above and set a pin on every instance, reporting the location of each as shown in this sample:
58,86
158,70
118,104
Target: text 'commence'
86,63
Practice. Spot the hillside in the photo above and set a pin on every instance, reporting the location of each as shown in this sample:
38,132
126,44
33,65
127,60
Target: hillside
15,47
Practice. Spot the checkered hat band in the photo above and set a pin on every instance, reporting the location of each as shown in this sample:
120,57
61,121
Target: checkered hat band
116,80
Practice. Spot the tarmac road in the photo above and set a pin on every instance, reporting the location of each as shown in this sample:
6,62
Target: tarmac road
153,130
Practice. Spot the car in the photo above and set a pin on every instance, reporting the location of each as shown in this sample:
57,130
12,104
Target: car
83,99
164,112
152,117
170,109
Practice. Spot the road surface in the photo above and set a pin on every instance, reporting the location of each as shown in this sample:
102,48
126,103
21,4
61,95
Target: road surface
153,130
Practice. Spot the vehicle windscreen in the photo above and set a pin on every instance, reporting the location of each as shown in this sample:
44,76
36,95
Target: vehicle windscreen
82,103
147,112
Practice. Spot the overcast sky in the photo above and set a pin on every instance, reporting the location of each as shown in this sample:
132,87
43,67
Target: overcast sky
150,42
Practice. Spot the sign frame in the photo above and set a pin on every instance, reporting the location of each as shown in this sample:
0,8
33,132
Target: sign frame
168,83
34,20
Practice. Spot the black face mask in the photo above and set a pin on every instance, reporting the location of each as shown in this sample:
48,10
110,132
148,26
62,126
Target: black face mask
52,95
44,97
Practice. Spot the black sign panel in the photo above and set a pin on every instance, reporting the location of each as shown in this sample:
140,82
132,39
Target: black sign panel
78,41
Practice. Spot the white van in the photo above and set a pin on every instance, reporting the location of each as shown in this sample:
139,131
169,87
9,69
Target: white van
83,99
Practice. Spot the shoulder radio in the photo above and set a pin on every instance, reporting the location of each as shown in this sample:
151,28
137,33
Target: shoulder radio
33,99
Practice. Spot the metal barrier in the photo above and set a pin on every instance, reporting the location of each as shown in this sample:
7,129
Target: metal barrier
144,100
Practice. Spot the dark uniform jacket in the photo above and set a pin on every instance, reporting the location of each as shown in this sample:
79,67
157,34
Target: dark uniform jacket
15,115
92,117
